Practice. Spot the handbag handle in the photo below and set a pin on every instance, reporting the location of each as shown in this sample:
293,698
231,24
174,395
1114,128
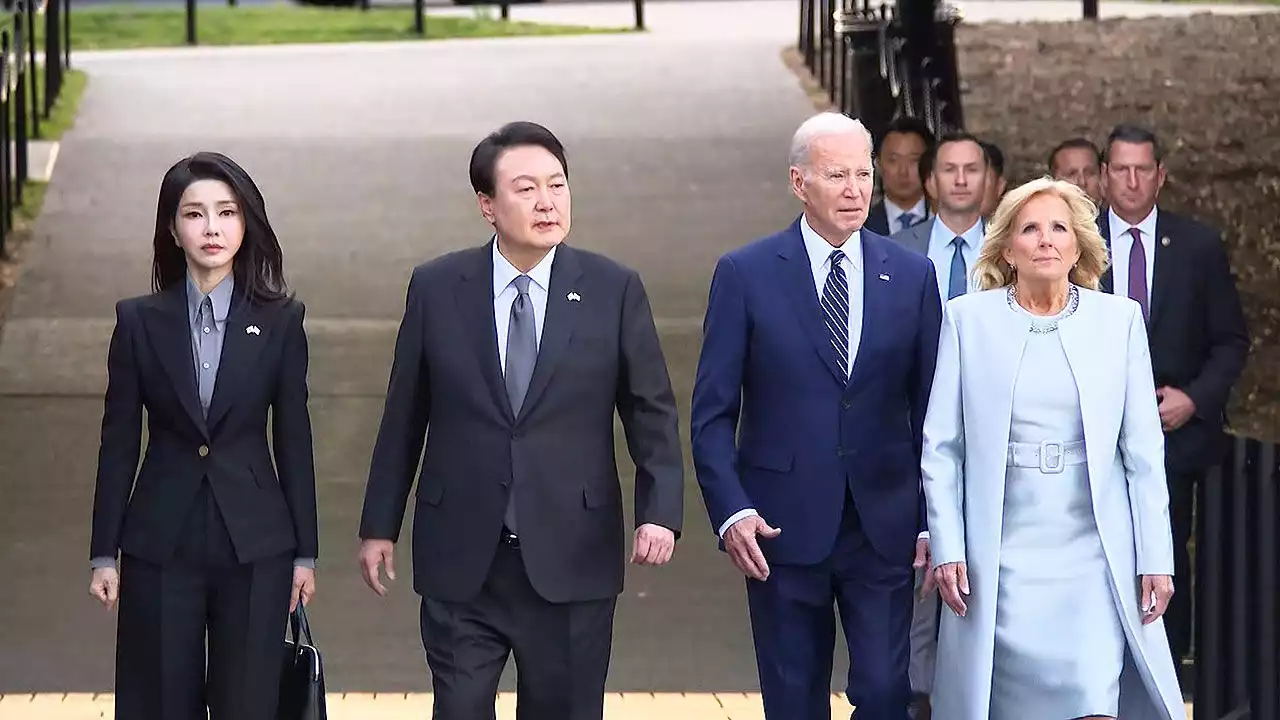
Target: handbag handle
299,625
302,629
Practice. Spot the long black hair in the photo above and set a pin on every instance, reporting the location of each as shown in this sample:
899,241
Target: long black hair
258,264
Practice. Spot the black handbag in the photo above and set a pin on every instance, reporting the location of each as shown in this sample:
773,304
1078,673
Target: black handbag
302,678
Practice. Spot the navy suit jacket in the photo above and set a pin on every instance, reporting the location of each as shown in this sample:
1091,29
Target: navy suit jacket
775,425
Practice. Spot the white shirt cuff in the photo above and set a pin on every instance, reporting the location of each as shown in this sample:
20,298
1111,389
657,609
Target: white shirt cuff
748,512
923,536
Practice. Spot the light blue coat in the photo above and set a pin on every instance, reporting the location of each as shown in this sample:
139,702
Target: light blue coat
966,436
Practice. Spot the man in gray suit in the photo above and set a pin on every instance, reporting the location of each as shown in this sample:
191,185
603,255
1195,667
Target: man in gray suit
957,180
956,177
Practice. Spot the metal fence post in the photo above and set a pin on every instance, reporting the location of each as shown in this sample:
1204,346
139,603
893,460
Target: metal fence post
6,206
191,22
19,98
31,63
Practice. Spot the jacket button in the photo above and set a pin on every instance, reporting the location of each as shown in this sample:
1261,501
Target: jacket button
839,452
204,450
846,404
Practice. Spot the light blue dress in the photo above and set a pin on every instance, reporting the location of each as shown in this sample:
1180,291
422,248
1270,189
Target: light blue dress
1059,642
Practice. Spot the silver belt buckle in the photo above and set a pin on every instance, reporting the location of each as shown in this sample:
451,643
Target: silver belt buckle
1052,457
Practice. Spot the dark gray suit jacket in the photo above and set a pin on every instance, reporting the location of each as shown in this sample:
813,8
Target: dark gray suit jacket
599,353
269,508
1197,331
916,237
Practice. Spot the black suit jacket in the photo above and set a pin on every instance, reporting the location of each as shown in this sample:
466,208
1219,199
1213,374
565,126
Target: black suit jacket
1197,332
877,219
150,365
597,354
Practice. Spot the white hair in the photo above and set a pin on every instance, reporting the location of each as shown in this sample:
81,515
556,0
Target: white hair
820,125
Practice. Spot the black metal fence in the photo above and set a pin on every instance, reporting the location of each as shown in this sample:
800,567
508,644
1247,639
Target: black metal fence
1237,576
878,62
23,102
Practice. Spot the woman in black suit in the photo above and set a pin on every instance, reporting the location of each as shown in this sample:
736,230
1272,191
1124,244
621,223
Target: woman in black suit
212,535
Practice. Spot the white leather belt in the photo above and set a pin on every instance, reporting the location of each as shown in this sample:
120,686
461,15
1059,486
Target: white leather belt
1049,456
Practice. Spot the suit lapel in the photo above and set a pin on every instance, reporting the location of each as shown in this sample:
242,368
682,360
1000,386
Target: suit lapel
1106,283
797,277
875,263
1003,335
922,232
240,349
474,298
558,325
1075,334
1161,271
169,329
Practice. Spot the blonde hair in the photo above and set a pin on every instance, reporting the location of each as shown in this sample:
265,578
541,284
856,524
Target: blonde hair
992,271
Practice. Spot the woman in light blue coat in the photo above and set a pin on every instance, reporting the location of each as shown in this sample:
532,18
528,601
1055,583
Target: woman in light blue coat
1043,468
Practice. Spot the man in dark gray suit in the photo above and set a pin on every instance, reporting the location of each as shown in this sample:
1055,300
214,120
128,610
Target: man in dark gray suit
511,360
957,177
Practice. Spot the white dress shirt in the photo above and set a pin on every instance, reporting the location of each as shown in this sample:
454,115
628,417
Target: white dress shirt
940,252
819,252
894,214
1122,244
504,294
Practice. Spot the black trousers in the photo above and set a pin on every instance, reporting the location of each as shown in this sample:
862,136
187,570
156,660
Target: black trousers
561,649
167,611
1183,488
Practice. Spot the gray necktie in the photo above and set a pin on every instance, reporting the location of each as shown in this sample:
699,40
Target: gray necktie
207,372
522,353
957,283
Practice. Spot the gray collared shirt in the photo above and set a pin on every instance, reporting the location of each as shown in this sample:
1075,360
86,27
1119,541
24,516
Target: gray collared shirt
207,317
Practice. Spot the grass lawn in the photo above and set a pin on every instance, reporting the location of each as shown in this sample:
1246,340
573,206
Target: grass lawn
130,26
64,110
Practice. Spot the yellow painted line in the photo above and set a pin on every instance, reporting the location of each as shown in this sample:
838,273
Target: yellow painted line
394,706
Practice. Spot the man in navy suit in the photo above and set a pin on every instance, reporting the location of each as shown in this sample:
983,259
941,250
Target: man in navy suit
817,360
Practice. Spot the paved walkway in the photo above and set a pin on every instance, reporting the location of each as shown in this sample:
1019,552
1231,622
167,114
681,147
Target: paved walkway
677,145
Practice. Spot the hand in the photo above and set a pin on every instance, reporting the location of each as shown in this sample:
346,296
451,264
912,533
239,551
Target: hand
1176,407
304,587
924,559
740,542
654,545
1156,591
372,554
105,586
953,581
